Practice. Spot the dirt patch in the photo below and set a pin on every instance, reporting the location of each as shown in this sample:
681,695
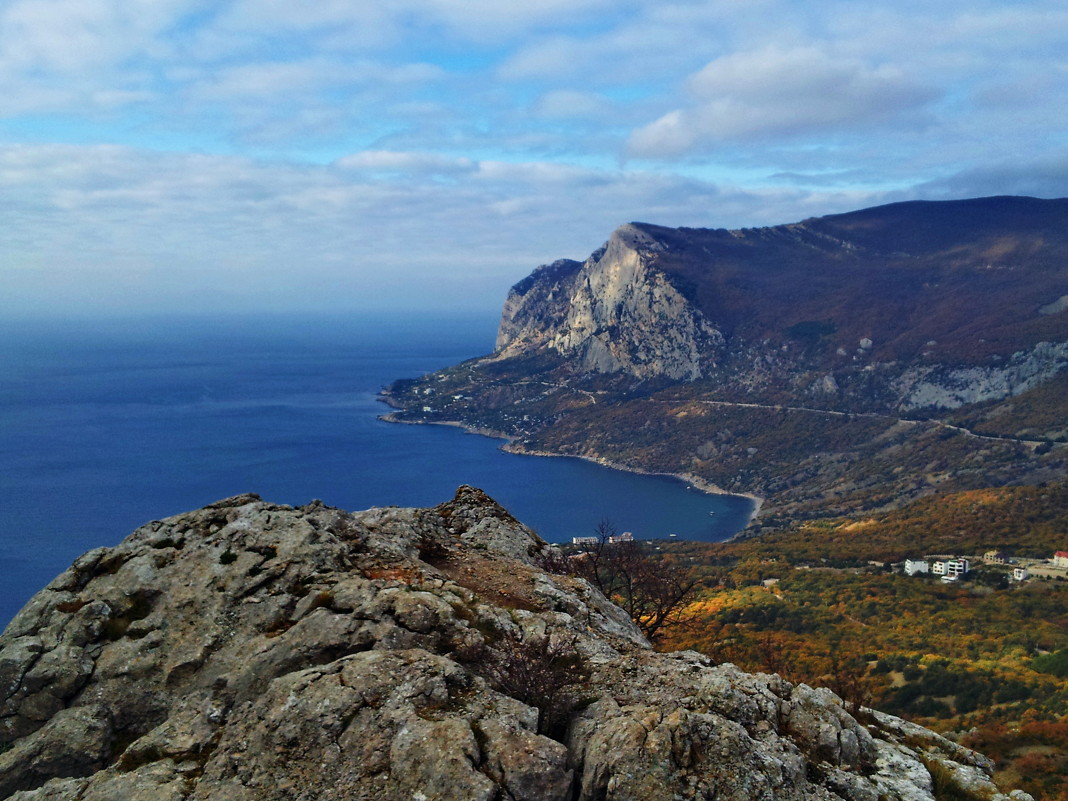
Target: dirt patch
506,584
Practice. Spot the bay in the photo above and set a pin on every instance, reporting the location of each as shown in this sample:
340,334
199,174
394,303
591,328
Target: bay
105,425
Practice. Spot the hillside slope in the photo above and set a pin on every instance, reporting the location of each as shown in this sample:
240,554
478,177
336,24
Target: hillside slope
830,366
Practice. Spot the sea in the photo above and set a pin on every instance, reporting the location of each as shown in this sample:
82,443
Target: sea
109,424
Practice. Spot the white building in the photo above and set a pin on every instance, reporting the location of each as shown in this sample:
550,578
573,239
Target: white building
950,568
626,536
584,540
1020,574
914,566
1060,559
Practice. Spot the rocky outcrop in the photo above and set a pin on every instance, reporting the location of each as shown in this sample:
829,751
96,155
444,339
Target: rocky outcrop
951,388
614,313
538,306
254,651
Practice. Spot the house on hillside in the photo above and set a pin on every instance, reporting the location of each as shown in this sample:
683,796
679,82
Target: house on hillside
995,558
1060,559
950,568
914,566
1020,574
626,536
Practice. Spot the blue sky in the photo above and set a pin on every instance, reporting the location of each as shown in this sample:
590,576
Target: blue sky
184,155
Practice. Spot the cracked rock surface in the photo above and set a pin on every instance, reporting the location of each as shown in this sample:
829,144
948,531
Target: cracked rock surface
250,651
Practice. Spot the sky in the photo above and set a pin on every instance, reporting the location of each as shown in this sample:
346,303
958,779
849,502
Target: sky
215,156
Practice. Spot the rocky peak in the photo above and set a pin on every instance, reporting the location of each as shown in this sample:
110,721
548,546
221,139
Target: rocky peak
248,650
616,313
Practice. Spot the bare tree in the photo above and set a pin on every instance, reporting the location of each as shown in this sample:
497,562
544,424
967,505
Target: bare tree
653,593
846,677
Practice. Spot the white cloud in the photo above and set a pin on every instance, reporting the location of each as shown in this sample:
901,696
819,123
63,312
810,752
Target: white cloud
571,104
492,20
70,36
307,77
242,27
638,50
1041,177
84,55
780,93
343,24
160,231
289,15
393,161
541,173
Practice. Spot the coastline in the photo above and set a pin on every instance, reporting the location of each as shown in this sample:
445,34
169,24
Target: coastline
390,417
696,482
510,446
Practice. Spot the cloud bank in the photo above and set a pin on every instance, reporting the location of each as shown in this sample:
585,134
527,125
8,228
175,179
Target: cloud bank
158,154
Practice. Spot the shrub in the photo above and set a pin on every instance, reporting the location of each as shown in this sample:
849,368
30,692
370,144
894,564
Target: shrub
544,672
1056,664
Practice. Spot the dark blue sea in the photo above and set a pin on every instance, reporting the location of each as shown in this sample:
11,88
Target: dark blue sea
107,425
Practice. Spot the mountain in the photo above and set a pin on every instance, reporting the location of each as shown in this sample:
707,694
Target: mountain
254,651
830,366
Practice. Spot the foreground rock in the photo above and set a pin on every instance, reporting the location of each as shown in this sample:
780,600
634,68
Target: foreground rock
253,651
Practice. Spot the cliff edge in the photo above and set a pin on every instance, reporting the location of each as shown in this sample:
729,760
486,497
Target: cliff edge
254,651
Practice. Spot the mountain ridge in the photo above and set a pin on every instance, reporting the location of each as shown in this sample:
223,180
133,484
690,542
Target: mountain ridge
909,312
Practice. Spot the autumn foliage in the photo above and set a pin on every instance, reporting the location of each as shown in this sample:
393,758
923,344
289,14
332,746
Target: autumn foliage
981,657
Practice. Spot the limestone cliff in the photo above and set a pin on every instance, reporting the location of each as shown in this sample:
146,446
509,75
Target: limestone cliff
613,313
950,388
253,651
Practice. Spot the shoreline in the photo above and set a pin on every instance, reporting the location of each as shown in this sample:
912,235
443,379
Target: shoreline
510,446
390,417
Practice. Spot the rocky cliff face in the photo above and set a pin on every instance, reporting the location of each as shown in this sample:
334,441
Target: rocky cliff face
614,313
950,388
253,651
